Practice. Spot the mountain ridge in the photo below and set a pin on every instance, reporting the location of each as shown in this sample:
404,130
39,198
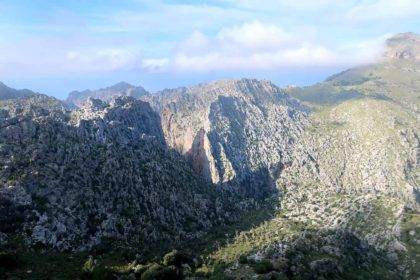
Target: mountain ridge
335,166
77,98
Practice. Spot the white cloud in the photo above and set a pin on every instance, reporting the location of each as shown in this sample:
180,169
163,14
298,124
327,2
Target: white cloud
383,9
50,58
259,46
255,36
99,60
159,17
154,64
231,35
275,4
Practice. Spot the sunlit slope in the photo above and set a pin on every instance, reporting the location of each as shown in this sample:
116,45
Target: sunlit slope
396,81
349,197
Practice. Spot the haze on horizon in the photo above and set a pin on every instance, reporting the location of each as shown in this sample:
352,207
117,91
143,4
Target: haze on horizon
58,46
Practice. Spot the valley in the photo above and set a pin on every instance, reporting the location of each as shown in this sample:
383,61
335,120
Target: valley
233,179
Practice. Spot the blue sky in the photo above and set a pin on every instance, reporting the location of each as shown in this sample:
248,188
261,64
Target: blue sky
58,46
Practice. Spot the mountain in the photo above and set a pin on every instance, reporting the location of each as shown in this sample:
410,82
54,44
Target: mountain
77,98
254,181
10,93
72,180
403,46
352,186
390,79
237,133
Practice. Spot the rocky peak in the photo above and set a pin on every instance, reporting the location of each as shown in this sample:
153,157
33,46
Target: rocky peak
128,117
77,98
95,104
121,86
403,46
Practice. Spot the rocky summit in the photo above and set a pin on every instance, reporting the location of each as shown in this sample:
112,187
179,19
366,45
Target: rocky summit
233,179
403,46
77,98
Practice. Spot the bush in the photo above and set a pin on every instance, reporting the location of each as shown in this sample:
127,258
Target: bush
202,272
102,273
243,260
158,272
139,269
263,267
89,265
219,273
176,258
275,276
91,270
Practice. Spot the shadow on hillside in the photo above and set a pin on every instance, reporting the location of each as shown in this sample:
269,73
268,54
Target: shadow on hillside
90,165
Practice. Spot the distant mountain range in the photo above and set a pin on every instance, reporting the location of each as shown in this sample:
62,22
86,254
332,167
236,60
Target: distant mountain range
334,167
10,93
77,98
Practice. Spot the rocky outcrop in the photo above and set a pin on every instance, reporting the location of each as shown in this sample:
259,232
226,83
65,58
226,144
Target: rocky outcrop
404,46
71,180
346,172
77,98
234,132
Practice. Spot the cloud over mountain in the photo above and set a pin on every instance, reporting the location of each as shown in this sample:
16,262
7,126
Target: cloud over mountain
261,46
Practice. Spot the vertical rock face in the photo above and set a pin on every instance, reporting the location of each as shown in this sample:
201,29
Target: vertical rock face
77,98
70,179
235,132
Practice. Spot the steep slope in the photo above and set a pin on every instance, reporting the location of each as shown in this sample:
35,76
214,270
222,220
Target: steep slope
77,98
236,133
352,185
73,180
396,77
346,172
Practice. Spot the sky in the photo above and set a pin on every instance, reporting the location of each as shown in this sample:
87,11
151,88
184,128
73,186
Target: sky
57,46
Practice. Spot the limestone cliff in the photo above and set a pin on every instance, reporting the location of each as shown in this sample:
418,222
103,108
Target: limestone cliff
234,132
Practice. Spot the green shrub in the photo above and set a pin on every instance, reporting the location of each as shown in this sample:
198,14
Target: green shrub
102,273
140,269
170,273
243,260
158,272
176,258
91,270
219,273
89,266
263,267
203,272
275,276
